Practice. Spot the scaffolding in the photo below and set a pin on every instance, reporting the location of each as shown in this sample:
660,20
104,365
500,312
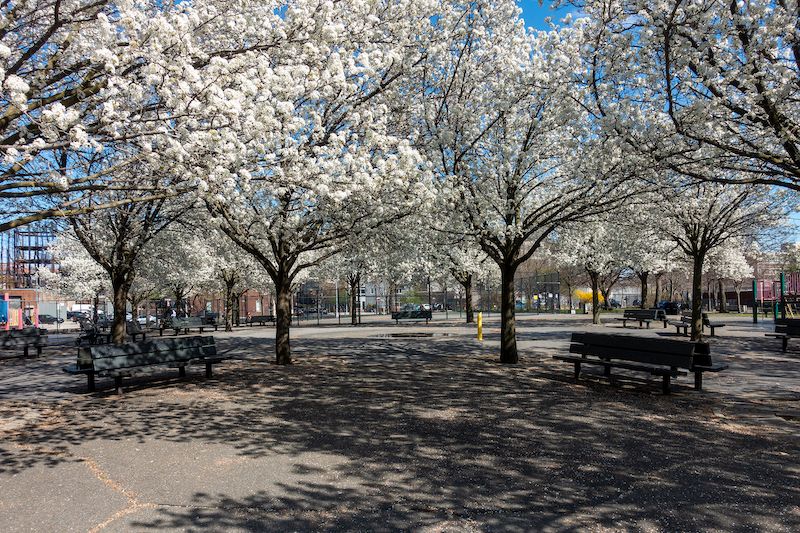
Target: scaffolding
23,251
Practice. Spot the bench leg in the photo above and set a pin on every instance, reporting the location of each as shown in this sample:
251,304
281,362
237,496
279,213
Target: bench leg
38,351
182,371
90,384
712,330
118,384
607,370
784,343
665,383
577,371
698,381
208,370
25,351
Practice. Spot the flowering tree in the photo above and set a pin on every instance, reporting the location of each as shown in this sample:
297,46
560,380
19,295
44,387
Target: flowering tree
706,216
312,158
78,276
685,79
730,262
500,119
117,239
92,86
601,248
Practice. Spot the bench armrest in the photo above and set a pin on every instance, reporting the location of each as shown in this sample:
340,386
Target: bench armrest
716,367
75,369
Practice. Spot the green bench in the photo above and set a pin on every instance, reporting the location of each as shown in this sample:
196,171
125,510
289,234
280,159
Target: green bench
642,316
122,360
24,338
185,324
261,319
785,329
667,358
685,324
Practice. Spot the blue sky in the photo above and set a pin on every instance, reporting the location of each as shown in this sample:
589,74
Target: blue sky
535,15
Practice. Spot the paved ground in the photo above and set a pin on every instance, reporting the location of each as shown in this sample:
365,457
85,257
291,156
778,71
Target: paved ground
368,431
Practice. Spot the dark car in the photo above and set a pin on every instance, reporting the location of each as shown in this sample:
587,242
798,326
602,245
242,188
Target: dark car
50,319
210,318
671,308
77,315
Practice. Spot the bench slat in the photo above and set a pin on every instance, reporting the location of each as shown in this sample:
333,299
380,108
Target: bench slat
669,346
630,354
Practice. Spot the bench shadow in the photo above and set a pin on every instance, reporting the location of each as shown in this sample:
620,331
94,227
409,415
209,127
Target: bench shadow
429,434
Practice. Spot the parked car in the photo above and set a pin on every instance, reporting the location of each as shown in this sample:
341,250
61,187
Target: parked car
146,320
210,318
671,308
77,315
614,304
50,319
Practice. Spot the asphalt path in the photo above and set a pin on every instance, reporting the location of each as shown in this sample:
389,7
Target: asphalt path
411,427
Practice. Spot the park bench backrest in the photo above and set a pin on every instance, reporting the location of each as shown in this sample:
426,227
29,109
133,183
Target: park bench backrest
789,326
660,314
29,332
136,354
640,314
666,352
413,313
188,322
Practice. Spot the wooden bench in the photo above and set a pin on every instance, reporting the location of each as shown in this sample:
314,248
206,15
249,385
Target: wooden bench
711,325
24,338
667,358
660,314
121,360
412,314
643,316
261,319
134,329
785,329
685,323
185,324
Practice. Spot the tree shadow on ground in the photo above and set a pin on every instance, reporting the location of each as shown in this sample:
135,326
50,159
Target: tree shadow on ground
431,433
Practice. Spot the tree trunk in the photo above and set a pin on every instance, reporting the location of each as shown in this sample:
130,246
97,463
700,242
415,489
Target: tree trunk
657,290
469,310
120,285
354,281
593,276
569,297
697,297
508,333
738,289
96,307
283,321
723,302
606,300
466,281
643,279
229,304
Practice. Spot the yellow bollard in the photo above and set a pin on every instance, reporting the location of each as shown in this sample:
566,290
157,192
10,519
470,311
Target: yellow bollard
480,326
